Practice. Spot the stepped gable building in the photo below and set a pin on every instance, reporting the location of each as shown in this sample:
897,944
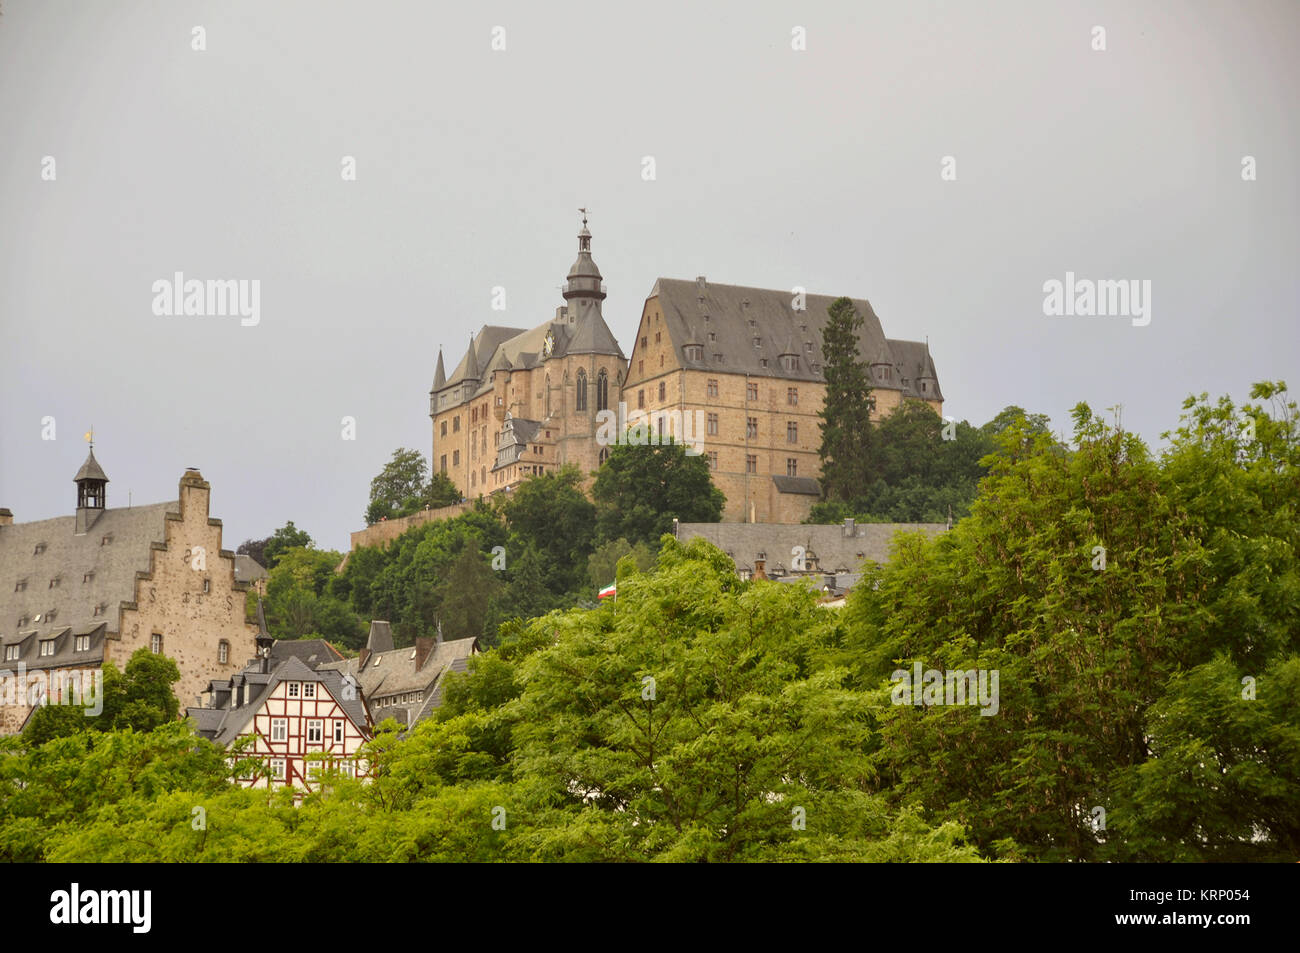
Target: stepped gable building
523,402
299,713
748,364
404,684
81,590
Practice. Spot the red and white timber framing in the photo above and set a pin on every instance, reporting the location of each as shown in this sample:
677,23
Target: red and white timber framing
298,719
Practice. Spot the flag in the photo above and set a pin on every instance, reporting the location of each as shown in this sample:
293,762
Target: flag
610,590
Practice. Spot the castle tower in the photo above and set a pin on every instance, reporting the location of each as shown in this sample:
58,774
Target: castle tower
584,290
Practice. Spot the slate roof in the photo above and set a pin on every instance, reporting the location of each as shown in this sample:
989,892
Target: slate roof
248,569
90,470
806,486
91,571
393,672
313,652
838,548
224,722
770,317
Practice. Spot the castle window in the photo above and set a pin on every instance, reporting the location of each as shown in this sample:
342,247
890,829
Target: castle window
751,392
49,616
871,402
640,367
751,427
656,337
712,337
20,585
713,425
640,399
792,396
792,432
790,362
54,583
442,461
602,390
751,463
758,342
11,652
762,362
106,540
644,341
99,609
455,458
580,393
661,360
81,644
40,548
694,352
47,647
791,466
155,643
661,390
88,577
223,652
713,388
923,385
455,424
207,585
713,459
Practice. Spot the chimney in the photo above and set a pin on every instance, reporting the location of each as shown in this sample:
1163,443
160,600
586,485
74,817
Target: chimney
440,632
759,571
423,649
6,516
850,527
675,525
363,658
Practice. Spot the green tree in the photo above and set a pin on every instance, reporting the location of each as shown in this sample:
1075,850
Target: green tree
404,486
550,514
602,567
285,538
640,489
845,449
467,595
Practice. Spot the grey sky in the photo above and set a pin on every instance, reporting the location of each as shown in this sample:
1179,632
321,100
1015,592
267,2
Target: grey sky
775,168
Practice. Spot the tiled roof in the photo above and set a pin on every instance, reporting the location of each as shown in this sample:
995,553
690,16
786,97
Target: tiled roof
394,673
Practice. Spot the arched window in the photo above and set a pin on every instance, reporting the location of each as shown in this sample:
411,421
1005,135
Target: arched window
580,402
602,390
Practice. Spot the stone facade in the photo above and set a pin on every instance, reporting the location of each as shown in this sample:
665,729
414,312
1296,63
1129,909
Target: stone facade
79,591
747,361
524,402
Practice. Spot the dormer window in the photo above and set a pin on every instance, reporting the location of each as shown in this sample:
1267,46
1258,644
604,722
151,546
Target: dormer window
99,609
54,583
47,648
108,538
82,644
89,577
40,548
20,585
11,652
694,352
49,616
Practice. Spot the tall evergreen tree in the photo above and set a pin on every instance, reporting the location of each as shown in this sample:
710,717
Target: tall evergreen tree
846,416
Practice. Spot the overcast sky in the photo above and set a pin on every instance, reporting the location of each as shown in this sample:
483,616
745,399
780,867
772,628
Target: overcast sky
774,167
